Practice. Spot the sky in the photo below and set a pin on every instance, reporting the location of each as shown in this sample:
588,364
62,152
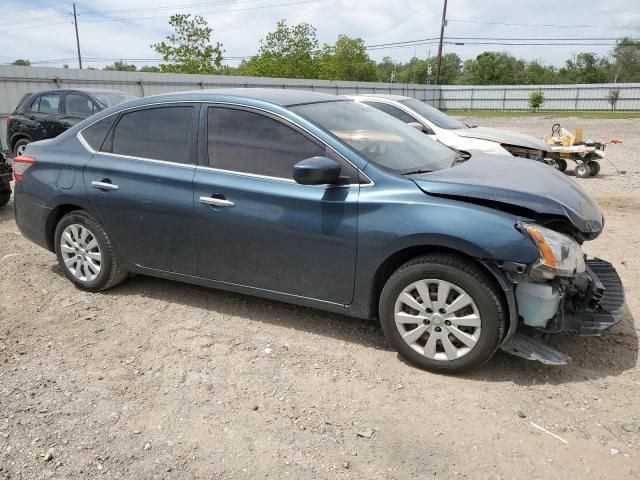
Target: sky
42,30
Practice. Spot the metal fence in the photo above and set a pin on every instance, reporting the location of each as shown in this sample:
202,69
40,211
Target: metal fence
17,81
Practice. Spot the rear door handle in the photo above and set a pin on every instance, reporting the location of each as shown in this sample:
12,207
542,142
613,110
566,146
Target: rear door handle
216,202
104,185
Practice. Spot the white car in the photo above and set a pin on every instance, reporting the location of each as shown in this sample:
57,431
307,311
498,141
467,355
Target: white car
455,134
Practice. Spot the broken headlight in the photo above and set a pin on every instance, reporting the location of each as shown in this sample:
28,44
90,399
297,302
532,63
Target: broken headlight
560,255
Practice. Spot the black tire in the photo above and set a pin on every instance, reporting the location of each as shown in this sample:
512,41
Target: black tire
464,274
5,191
110,273
582,170
561,164
20,143
594,167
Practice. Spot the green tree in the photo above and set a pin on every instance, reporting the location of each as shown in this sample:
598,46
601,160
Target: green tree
626,61
535,73
385,69
287,52
21,62
121,66
492,68
347,59
586,67
189,48
149,68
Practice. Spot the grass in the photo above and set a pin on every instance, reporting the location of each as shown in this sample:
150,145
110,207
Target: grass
542,114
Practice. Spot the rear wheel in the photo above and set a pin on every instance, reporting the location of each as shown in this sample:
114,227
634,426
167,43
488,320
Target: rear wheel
442,313
20,146
561,164
594,167
582,170
86,254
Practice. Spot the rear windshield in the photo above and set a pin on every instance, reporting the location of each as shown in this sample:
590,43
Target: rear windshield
109,99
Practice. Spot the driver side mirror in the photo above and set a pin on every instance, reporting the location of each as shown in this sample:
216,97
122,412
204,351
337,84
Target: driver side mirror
417,125
317,171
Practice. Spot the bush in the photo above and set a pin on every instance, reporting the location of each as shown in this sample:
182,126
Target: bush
613,97
536,99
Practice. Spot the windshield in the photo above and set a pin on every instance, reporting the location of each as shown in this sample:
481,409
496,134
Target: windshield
434,115
109,99
379,137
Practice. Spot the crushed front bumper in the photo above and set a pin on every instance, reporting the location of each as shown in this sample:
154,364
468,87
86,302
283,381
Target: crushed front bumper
595,306
593,303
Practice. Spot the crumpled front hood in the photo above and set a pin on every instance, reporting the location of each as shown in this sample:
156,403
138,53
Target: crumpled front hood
503,136
520,182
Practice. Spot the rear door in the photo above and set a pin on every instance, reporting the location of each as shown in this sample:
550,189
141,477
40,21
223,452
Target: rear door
255,226
43,116
141,185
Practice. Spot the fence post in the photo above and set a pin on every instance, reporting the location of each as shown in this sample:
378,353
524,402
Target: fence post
471,102
141,87
575,106
58,82
504,99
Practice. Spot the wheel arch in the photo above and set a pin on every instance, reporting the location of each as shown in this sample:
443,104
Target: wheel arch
18,136
54,217
402,256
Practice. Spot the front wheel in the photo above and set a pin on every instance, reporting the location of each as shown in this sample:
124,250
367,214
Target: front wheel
86,253
594,167
561,164
442,313
20,146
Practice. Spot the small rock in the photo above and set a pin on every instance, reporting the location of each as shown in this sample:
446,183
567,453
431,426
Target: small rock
365,433
614,451
136,432
346,465
254,408
147,446
632,427
521,414
268,350
49,455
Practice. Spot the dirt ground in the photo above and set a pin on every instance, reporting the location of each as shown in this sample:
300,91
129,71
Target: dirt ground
157,379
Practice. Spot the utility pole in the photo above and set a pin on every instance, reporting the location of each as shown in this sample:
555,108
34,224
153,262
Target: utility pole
444,22
75,22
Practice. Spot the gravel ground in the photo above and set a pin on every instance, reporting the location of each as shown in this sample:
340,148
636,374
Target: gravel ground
157,379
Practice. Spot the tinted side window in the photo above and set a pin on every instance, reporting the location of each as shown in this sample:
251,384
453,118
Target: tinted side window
248,142
96,133
156,133
391,110
79,105
48,103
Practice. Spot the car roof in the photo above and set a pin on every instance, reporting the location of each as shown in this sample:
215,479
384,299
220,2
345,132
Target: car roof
277,96
385,96
84,90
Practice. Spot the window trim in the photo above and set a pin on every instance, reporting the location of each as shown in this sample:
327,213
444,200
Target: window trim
96,107
204,104
204,160
191,147
39,97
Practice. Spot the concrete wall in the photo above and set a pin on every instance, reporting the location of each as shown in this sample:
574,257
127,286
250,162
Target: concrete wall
17,81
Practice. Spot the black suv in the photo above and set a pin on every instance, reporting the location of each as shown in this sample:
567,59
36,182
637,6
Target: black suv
47,114
5,178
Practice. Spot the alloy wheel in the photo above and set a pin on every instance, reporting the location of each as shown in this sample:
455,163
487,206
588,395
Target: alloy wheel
20,150
437,319
81,252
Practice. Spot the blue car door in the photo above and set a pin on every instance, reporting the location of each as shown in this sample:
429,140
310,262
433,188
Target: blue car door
255,226
141,186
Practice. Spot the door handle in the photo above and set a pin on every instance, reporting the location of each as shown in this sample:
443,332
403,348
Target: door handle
216,202
104,185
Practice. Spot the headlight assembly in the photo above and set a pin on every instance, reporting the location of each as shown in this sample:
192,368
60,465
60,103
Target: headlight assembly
560,255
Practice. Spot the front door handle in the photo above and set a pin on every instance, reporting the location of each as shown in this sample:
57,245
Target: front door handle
216,202
104,185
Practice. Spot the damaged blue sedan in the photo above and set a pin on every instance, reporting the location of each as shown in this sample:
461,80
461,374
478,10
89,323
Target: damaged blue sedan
320,201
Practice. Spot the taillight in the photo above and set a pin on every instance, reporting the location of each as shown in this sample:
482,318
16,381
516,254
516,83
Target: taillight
20,165
9,120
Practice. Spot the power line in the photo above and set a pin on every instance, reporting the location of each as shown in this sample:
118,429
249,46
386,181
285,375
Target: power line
530,24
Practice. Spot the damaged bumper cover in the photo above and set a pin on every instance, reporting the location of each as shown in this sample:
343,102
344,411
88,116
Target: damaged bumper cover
593,302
